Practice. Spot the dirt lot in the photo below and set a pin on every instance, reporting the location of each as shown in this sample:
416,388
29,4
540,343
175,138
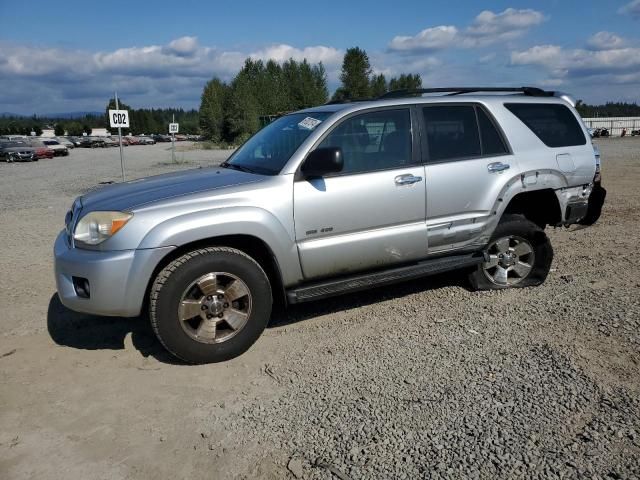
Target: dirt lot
419,380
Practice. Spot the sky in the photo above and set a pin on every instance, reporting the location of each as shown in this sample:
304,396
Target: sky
71,56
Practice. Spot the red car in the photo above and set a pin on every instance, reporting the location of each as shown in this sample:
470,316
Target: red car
42,151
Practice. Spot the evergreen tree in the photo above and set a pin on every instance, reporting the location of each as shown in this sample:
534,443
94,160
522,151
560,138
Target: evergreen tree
378,85
356,71
406,82
212,109
58,130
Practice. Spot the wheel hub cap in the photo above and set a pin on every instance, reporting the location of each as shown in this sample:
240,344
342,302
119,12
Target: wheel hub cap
510,260
215,307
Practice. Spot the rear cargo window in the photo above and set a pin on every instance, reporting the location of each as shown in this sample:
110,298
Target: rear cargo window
552,123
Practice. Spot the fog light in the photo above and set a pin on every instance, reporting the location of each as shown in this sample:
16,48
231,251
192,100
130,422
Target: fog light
81,286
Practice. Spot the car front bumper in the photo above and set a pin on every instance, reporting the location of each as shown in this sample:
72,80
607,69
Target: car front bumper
117,279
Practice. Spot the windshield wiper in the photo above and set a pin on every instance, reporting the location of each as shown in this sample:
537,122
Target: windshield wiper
241,168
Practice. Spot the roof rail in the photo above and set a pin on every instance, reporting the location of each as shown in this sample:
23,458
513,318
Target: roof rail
530,91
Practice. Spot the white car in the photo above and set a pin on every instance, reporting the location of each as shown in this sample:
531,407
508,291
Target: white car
57,147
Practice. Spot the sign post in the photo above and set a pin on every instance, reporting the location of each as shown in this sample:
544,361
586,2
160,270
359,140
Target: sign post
173,129
119,118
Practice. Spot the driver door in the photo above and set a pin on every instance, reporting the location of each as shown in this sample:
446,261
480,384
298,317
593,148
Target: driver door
372,214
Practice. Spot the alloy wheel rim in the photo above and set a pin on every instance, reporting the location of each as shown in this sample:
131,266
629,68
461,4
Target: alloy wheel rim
215,307
511,260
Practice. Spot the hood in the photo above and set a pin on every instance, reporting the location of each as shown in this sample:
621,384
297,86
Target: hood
135,193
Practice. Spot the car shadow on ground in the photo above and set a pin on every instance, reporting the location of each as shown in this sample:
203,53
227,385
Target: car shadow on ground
92,332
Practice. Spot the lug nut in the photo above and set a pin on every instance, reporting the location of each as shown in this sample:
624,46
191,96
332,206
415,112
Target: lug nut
220,296
220,315
203,307
226,305
209,316
209,297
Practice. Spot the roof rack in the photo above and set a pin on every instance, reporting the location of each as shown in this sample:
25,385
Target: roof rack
450,91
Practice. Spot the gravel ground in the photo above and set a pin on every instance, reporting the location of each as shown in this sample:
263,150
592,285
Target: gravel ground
419,380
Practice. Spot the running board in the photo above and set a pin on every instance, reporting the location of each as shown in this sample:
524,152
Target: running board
353,283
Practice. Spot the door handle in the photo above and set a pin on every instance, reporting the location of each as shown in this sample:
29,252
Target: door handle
498,167
407,179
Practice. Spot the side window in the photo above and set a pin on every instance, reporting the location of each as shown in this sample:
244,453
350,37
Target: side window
552,123
373,141
492,142
452,132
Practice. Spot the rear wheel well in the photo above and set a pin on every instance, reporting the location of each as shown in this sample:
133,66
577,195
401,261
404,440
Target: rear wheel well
252,246
540,206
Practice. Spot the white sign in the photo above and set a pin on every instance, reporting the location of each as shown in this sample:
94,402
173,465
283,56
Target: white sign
32,133
173,127
119,118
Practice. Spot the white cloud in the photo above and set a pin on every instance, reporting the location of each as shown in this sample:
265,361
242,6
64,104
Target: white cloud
329,56
509,22
158,75
183,46
618,65
486,29
605,41
632,8
435,38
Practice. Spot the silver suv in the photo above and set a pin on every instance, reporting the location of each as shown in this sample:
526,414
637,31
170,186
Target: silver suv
334,199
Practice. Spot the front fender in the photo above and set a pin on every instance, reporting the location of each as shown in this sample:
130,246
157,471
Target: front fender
253,221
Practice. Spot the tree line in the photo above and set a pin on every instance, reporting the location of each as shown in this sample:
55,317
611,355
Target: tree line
231,112
609,109
154,120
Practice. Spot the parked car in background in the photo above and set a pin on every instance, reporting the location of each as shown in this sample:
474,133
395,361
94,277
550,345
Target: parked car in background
64,141
92,142
10,138
180,138
16,151
76,140
57,147
162,138
41,150
110,142
132,140
635,133
146,140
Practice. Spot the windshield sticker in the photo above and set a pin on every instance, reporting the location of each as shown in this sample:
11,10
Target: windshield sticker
309,123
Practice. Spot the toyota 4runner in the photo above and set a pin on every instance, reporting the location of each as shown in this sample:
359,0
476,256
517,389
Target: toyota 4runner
334,199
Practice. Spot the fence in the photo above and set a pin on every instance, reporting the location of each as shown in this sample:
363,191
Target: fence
614,124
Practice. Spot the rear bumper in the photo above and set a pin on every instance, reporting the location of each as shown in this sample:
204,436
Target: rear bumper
117,279
594,208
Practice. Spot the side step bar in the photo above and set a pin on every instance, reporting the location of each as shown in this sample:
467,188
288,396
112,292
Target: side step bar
353,283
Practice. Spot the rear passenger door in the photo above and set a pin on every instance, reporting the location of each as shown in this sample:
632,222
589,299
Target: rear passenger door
468,162
372,214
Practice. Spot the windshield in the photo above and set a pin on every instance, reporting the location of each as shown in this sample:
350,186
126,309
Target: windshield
268,151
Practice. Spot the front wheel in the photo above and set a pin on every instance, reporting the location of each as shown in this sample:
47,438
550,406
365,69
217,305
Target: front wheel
519,254
210,305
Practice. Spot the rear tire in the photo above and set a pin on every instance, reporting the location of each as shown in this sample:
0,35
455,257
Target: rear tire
520,255
210,305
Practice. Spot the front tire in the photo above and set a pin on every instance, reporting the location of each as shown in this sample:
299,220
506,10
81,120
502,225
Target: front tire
210,305
519,255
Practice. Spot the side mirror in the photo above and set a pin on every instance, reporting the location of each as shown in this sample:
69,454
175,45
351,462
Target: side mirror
323,161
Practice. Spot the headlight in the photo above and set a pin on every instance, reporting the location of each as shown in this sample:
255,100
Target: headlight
95,227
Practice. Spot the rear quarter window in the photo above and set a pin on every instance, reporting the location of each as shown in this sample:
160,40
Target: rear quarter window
552,123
